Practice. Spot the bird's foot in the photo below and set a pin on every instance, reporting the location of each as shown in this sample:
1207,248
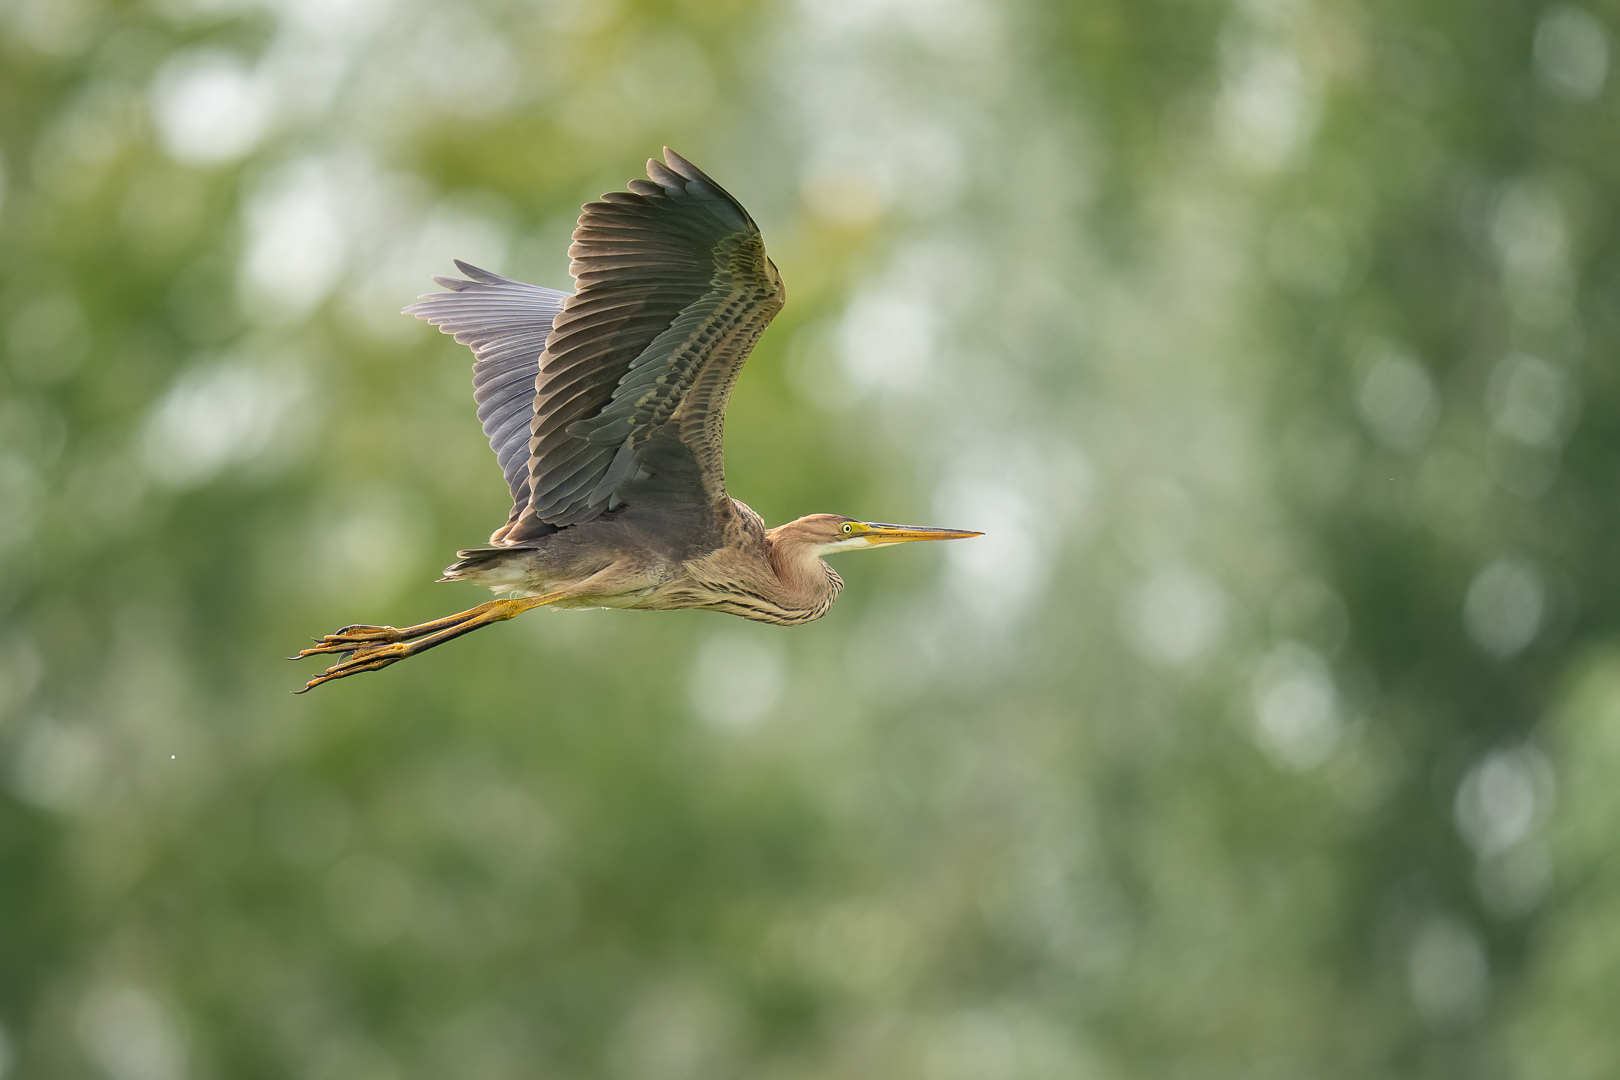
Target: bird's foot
371,648
356,658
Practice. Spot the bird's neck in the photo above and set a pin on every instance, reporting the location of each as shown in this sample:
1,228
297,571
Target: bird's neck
807,582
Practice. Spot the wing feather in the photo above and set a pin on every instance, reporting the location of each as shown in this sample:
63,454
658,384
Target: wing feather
506,323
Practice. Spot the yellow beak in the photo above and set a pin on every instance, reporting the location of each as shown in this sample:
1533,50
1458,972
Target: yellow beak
874,532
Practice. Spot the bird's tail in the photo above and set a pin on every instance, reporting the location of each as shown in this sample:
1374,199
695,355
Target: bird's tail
494,567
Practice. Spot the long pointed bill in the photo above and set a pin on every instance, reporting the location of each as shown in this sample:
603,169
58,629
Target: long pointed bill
874,532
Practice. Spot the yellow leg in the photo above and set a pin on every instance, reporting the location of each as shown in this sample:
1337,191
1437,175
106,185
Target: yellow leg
371,648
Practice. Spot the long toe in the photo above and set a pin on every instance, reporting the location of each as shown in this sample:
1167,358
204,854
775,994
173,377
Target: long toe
373,659
351,638
362,634
329,644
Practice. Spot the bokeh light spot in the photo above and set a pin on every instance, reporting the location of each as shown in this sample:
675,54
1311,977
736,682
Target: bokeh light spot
58,765
1296,708
1447,973
1176,616
1267,109
131,1034
1505,606
209,107
737,680
216,415
1571,53
1531,234
1530,400
886,339
298,229
1501,798
363,552
1397,398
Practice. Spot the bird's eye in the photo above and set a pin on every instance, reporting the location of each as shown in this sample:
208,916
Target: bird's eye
848,527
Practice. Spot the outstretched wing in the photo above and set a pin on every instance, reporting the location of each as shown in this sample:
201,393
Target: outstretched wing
620,388
506,324
674,289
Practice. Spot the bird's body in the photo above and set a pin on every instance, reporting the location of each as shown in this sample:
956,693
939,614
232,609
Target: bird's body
606,410
743,569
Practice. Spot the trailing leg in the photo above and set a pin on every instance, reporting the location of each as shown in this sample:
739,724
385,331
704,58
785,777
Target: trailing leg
371,648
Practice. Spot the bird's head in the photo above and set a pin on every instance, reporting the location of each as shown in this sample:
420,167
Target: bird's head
824,534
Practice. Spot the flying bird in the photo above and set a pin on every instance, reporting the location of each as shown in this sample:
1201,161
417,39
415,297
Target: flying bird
605,409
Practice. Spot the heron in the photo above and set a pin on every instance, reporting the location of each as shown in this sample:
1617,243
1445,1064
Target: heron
605,408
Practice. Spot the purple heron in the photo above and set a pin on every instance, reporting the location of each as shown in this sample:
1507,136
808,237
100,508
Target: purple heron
605,408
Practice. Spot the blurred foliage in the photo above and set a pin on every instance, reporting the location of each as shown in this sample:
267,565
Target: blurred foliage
1271,731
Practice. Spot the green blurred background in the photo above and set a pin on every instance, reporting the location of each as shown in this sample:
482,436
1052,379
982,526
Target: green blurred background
1273,731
